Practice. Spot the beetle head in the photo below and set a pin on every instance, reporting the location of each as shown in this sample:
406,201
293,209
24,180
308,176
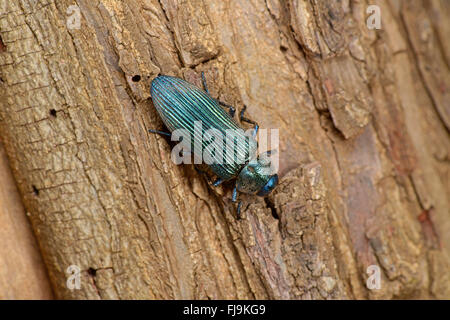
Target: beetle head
257,177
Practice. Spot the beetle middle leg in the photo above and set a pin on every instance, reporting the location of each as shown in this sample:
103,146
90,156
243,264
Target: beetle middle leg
214,183
244,119
217,182
203,173
231,109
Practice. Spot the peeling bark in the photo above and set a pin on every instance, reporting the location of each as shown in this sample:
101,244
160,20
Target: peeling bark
364,146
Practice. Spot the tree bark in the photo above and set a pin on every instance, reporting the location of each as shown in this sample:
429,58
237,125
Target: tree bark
363,116
22,271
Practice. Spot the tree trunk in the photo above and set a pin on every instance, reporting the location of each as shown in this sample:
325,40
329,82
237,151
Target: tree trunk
363,118
22,272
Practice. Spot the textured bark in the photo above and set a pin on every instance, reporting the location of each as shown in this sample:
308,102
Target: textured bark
22,271
364,146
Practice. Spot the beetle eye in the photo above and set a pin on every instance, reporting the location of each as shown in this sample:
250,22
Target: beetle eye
270,185
251,169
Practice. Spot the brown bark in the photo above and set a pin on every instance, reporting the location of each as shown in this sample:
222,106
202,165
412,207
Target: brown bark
22,271
364,146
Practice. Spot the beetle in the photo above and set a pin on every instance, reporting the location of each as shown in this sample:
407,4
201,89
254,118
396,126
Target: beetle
180,104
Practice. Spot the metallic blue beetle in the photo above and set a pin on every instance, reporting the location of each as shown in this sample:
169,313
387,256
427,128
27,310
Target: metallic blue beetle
180,104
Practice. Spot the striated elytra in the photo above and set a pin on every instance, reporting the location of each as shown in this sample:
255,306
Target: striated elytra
183,106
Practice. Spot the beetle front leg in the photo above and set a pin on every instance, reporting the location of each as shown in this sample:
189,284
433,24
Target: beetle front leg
244,119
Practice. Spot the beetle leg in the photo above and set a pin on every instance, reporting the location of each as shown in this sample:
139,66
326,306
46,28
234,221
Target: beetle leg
217,182
205,86
203,173
231,109
244,119
238,210
234,196
271,152
160,132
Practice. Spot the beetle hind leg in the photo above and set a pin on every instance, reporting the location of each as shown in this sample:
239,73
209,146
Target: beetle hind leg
162,133
205,86
231,109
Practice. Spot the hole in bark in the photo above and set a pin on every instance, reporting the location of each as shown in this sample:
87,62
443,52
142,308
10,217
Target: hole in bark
53,112
270,205
283,48
331,14
35,190
136,78
92,272
2,45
